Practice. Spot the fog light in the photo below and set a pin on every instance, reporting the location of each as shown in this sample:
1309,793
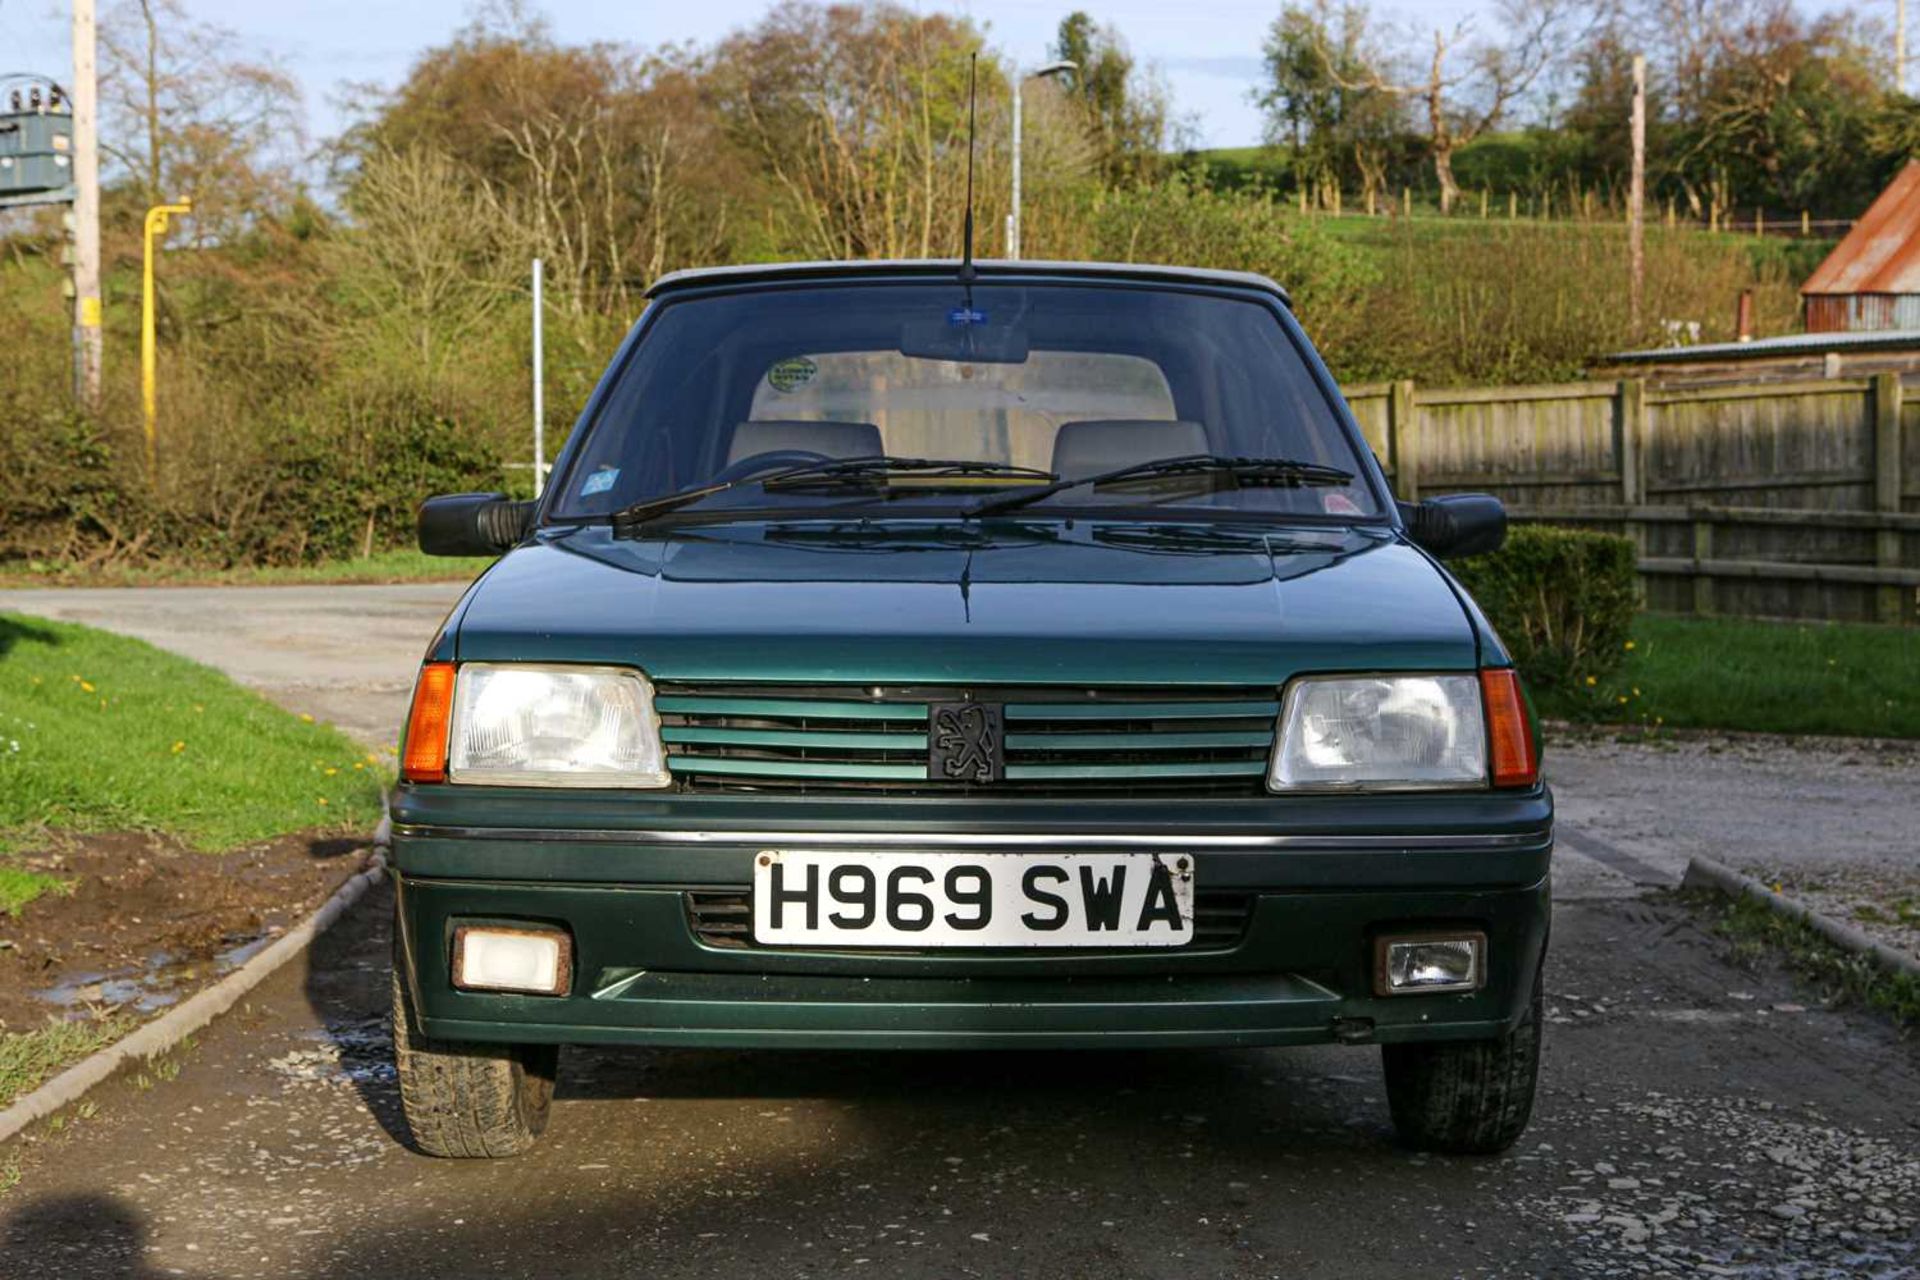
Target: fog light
1429,963
501,958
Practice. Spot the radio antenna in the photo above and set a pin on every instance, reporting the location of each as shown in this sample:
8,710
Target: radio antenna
966,247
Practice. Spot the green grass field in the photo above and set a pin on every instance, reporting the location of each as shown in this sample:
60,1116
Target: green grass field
404,565
1767,677
103,733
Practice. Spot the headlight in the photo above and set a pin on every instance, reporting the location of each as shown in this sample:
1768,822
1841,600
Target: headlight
554,726
1380,733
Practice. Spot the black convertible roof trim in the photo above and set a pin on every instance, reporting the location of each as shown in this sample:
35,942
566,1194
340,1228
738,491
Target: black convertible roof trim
948,268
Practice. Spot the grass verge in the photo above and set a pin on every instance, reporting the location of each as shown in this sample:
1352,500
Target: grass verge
1762,677
18,887
29,1059
402,565
1758,934
99,732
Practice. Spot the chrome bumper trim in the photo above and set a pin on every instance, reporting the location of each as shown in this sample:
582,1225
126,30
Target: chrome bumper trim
976,840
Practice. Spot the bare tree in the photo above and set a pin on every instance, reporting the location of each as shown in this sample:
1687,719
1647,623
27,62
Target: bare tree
189,112
858,117
1468,85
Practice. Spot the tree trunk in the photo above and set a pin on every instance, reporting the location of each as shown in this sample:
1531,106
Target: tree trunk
153,102
1443,170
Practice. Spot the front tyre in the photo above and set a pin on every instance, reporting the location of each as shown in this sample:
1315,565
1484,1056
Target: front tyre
1468,1097
468,1101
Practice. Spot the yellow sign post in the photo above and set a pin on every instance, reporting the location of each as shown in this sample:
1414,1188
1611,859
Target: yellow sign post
156,226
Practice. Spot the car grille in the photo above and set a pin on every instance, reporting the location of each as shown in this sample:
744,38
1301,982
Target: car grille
724,918
857,737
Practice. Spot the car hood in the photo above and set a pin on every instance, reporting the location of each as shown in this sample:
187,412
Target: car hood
1008,601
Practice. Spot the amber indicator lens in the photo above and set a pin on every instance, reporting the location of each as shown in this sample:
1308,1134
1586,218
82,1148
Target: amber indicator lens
1515,756
425,757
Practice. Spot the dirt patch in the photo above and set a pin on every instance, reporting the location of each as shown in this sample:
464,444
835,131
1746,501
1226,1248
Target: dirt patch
147,922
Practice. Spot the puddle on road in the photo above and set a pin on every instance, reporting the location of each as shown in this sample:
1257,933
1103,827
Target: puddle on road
161,981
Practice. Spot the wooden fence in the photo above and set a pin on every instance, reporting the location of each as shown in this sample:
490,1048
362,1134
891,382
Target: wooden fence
1790,499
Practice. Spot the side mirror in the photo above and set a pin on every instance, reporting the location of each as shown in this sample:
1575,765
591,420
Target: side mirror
1460,524
473,524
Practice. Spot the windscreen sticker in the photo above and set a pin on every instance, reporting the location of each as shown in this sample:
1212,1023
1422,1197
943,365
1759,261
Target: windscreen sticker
966,315
792,374
1339,504
599,482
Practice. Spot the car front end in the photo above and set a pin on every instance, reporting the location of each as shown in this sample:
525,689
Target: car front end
916,775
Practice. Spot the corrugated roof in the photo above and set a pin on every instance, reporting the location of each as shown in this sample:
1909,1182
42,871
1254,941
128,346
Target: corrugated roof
1882,252
1790,344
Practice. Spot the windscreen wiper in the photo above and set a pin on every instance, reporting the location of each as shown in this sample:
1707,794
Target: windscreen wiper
865,470
628,518
1243,473
827,471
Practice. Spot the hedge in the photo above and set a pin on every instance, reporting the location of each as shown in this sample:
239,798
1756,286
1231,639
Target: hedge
1563,601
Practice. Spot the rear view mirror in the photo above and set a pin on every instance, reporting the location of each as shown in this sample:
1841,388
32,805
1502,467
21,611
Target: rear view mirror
1460,524
964,337
473,524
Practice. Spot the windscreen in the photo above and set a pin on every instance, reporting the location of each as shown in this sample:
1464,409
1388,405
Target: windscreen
1038,380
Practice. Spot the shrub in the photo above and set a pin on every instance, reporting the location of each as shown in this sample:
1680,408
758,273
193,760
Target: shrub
1563,600
1183,221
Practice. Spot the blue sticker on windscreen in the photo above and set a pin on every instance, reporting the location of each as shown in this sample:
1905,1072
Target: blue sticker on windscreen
966,315
599,482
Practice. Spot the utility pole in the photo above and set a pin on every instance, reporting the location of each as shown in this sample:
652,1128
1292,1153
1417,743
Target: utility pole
1013,216
1899,46
1637,194
539,386
86,209
1013,212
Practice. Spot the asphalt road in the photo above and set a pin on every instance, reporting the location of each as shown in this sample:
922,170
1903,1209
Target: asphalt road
1695,1117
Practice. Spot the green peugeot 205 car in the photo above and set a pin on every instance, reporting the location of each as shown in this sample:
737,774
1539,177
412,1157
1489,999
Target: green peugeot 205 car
1001,656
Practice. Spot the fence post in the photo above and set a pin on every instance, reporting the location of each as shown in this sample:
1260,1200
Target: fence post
1886,486
1401,440
1630,437
1702,551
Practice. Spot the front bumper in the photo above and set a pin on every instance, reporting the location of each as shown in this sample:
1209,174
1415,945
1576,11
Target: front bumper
1322,877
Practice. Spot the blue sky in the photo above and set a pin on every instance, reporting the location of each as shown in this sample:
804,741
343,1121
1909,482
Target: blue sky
1208,52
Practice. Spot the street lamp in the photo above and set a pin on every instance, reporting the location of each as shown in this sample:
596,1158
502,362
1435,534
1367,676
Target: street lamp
156,225
1013,218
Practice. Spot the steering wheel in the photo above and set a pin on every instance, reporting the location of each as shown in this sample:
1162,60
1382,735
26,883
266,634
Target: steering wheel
754,463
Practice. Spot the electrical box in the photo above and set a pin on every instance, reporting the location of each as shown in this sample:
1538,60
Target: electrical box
36,157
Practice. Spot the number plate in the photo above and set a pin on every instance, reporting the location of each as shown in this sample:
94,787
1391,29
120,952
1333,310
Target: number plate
817,898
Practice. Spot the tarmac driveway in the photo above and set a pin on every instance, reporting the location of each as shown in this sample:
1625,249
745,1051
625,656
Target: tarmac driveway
1695,1118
